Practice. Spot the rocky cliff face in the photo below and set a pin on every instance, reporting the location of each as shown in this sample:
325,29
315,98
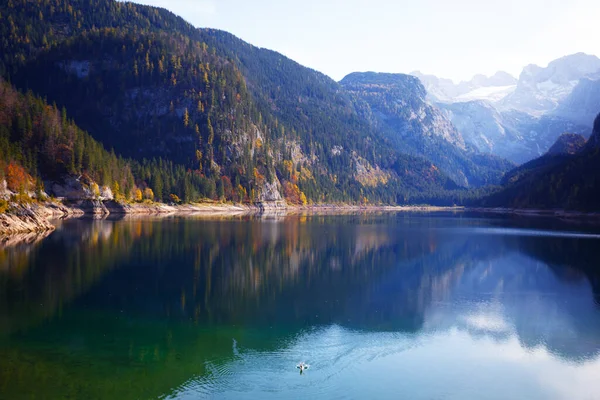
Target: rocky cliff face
583,104
400,99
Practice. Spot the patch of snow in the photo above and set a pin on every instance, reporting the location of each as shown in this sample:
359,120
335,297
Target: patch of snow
491,93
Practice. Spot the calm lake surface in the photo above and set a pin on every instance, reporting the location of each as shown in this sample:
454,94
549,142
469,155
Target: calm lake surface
410,306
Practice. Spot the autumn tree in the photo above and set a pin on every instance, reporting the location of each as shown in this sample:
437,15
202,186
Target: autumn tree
148,194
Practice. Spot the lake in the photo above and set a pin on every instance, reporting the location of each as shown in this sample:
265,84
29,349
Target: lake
392,305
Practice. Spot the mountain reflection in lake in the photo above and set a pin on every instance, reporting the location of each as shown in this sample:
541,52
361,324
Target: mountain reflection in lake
381,306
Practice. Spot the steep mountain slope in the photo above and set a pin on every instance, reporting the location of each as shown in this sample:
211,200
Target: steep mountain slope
246,120
568,181
395,104
582,104
38,142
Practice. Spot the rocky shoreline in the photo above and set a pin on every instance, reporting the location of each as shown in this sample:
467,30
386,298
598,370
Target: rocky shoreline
34,217
37,217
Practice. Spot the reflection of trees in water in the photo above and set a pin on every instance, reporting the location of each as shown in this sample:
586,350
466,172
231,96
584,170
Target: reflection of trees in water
15,251
52,272
168,292
352,270
569,258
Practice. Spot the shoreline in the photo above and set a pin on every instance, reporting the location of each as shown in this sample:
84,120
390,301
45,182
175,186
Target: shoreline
592,217
38,217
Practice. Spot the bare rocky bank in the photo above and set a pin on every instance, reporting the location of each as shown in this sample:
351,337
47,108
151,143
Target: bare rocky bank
37,216
33,217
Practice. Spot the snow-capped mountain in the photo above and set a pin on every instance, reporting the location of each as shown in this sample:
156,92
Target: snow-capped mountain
520,120
512,134
540,90
479,87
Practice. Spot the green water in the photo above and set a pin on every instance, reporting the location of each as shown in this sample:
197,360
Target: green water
381,306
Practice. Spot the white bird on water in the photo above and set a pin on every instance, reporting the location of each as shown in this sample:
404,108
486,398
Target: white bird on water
302,366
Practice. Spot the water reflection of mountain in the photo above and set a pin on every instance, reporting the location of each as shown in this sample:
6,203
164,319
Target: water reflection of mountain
172,295
352,270
523,290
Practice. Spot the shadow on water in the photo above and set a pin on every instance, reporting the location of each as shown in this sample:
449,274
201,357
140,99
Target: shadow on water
136,307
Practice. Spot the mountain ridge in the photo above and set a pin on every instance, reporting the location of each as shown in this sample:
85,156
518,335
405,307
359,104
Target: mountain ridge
521,122
249,121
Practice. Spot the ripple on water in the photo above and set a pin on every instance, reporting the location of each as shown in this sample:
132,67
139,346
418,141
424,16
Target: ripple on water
334,354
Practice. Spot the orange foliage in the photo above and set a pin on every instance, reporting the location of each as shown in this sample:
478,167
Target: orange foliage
17,179
259,179
292,194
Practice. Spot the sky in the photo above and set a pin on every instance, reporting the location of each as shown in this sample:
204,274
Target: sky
453,39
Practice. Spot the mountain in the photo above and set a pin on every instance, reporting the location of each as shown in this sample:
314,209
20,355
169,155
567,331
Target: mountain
239,123
581,105
540,90
513,135
555,180
520,120
395,104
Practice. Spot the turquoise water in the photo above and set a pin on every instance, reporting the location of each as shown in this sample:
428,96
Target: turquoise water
381,306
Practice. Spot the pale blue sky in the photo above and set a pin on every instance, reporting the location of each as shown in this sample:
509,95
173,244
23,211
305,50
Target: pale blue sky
449,38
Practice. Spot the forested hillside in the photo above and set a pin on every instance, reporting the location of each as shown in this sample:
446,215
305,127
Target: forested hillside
562,180
40,144
236,119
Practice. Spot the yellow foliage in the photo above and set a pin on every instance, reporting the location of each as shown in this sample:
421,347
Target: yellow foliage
305,174
148,194
3,206
303,199
242,192
137,195
95,189
288,166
